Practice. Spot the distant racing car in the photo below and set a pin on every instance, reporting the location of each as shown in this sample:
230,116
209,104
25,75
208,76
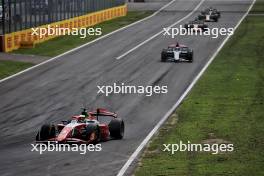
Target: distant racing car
177,53
196,25
84,128
209,15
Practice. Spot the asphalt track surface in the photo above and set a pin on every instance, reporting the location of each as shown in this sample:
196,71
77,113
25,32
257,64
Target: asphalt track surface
57,90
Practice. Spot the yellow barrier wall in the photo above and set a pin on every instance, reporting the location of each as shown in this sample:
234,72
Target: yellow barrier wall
12,40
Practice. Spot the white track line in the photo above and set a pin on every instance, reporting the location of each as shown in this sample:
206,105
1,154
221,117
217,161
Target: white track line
89,43
157,34
166,116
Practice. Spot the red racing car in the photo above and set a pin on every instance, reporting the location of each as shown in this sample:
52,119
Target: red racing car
84,128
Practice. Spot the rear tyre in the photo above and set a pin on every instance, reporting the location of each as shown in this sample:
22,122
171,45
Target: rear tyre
163,57
216,19
117,128
46,132
191,57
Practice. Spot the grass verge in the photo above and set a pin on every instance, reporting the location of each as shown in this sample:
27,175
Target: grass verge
226,104
64,43
8,68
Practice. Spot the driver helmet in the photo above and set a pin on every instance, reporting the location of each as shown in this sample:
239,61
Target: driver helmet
81,117
84,112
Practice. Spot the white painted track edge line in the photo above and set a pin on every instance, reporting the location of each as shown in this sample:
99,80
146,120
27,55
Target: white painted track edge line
157,34
167,115
86,44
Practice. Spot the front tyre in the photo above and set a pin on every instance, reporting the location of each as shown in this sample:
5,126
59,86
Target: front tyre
46,132
216,19
93,133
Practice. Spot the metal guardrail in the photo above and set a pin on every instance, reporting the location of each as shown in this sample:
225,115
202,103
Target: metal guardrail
16,15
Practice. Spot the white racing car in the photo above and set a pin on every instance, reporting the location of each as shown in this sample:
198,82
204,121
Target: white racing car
177,53
209,15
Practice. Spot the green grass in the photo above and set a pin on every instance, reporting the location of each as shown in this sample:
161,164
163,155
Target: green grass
62,44
8,68
258,7
226,103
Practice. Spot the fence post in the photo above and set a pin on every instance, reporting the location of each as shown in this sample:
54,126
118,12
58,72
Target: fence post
2,43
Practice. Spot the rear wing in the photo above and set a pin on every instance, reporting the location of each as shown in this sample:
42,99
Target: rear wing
102,112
